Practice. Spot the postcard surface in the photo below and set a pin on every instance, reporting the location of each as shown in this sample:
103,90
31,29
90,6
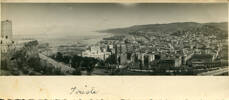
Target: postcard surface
114,50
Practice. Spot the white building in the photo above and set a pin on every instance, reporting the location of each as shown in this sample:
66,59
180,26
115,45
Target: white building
95,52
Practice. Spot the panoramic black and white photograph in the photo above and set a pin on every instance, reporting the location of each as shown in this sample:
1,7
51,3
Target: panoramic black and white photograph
114,39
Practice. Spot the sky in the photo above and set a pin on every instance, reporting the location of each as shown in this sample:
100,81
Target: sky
78,18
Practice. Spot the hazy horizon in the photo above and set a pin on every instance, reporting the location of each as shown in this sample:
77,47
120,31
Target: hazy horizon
80,18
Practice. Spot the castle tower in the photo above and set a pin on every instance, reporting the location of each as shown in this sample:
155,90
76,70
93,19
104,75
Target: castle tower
6,29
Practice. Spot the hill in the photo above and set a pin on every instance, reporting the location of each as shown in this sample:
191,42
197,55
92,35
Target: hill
219,29
222,26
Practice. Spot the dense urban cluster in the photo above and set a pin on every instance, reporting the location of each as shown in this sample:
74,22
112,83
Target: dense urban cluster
182,51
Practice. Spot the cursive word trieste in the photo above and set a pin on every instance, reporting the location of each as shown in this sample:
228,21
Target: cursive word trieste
84,90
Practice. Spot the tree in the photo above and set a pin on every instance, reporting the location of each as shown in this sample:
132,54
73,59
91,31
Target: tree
111,59
59,56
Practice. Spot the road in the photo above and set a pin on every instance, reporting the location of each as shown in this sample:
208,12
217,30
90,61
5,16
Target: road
215,72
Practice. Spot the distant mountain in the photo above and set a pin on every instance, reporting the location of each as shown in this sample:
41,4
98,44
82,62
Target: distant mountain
171,27
219,28
222,26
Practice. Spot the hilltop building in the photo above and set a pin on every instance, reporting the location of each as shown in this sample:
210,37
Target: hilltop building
6,29
6,36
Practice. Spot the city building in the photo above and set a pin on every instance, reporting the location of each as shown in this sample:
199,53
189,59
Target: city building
204,60
123,58
96,52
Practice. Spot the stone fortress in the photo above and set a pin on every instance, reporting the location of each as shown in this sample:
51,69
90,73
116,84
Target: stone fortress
22,57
